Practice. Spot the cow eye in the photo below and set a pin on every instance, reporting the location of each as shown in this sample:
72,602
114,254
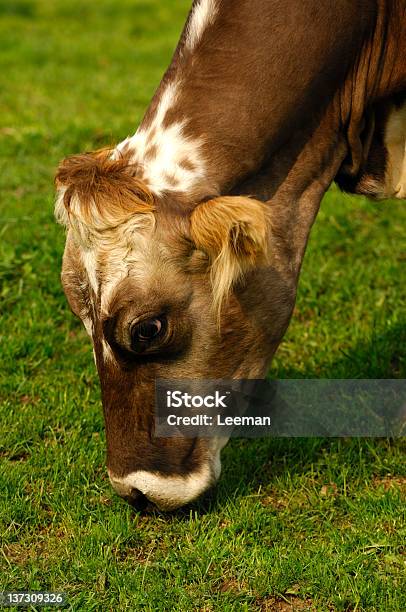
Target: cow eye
147,331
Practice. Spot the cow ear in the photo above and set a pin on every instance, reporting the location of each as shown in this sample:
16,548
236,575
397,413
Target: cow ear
233,232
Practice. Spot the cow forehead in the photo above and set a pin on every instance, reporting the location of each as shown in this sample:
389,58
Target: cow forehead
143,257
128,269
108,258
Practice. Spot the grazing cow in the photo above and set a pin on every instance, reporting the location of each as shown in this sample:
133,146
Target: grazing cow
185,242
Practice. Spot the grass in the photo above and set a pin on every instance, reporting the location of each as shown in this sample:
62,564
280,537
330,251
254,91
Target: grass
319,523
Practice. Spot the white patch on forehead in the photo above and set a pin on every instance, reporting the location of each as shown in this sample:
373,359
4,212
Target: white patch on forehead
130,254
169,160
90,264
112,256
203,15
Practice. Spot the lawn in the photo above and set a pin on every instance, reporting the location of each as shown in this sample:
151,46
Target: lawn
319,523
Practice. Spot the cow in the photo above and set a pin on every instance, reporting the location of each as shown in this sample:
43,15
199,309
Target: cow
185,241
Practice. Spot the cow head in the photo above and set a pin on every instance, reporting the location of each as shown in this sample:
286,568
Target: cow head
166,289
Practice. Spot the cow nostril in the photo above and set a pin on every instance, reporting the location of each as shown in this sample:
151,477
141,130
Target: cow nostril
137,500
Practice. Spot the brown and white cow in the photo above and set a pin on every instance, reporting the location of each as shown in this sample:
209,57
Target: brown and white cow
173,269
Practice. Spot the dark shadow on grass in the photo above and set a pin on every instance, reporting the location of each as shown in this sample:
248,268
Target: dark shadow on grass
382,355
17,8
249,464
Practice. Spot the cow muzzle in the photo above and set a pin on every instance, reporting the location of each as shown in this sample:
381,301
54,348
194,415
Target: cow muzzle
166,492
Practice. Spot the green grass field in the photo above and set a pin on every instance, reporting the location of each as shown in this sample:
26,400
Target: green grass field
305,524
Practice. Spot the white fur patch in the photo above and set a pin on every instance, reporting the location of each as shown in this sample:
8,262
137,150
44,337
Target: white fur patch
166,492
61,214
169,160
128,252
165,172
203,15
166,102
88,324
171,492
107,352
395,143
90,264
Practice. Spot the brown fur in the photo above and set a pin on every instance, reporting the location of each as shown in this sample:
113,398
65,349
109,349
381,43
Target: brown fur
277,124
233,231
104,188
369,178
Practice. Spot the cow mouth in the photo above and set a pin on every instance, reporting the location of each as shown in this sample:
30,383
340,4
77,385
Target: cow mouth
138,500
148,490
